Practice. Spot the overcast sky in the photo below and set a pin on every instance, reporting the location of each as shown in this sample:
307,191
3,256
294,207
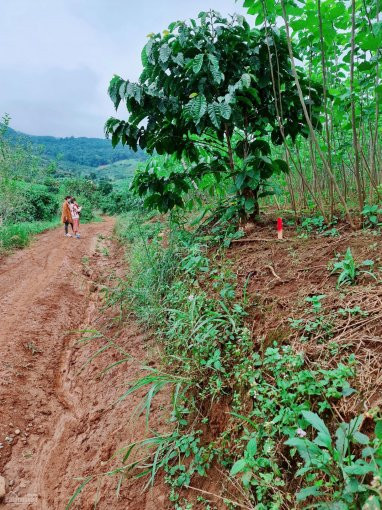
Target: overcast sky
58,56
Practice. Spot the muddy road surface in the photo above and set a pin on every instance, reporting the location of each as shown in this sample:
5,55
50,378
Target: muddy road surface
59,421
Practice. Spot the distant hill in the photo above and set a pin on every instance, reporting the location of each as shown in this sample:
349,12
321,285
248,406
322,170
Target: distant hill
119,170
82,156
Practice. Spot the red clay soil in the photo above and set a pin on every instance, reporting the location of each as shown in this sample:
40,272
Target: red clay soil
279,276
59,420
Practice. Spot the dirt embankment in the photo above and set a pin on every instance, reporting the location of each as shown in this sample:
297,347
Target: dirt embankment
279,276
58,414
58,420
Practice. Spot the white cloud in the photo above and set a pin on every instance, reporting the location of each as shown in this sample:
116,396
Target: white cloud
58,56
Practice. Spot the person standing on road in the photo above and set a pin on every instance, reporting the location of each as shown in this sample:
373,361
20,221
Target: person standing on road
66,215
75,209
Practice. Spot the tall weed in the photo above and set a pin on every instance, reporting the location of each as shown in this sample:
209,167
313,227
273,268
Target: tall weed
20,234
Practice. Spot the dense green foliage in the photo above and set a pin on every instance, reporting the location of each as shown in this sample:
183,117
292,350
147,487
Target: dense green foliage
32,191
280,404
340,44
75,155
18,235
329,49
26,201
206,95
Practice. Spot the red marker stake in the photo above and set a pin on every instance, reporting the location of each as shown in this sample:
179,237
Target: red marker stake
279,228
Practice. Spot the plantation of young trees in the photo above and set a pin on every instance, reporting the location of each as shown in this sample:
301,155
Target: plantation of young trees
287,107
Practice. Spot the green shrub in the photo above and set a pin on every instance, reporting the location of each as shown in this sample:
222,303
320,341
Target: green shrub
119,201
349,270
23,201
19,235
343,467
371,215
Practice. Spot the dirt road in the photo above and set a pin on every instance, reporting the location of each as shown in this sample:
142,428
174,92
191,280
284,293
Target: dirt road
58,420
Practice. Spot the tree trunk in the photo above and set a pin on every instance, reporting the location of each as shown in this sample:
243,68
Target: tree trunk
309,122
324,83
252,194
360,190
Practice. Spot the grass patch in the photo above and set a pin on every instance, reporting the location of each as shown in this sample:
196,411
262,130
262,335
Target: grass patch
19,235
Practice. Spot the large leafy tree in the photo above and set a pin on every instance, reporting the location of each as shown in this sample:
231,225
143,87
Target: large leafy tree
212,83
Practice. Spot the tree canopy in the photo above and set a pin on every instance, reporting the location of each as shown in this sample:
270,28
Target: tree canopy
211,83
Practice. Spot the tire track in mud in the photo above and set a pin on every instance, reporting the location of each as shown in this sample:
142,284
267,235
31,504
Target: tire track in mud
43,295
70,396
69,426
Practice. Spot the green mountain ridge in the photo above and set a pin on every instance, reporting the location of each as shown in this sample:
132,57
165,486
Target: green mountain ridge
82,156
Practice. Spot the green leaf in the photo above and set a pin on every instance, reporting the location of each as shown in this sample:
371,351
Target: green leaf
262,146
378,92
197,108
249,205
245,418
335,10
239,180
114,88
225,111
299,24
200,107
369,42
335,92
164,53
239,466
378,429
149,51
266,169
368,452
197,63
115,140
252,447
280,166
347,390
254,94
78,491
215,70
303,494
372,503
246,478
214,114
245,100
144,57
316,422
360,438
365,66
179,59
305,448
373,219
244,82
359,468
269,193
